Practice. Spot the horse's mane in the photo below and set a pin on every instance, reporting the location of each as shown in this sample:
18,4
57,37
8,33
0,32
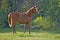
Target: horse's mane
29,10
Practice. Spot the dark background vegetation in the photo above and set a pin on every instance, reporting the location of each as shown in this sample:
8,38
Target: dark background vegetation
49,19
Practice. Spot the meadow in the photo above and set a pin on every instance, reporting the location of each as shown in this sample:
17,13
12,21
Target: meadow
6,34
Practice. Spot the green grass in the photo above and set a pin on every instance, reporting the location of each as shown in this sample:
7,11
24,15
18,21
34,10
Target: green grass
6,34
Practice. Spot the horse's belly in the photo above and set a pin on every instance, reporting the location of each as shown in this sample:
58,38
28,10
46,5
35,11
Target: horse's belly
22,22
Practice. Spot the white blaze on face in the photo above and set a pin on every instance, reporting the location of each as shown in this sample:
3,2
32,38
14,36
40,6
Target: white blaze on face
37,10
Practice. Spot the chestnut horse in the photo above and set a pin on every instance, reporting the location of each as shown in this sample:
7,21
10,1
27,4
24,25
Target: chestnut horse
22,18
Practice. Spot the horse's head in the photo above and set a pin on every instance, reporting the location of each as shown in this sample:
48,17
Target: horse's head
34,9
37,10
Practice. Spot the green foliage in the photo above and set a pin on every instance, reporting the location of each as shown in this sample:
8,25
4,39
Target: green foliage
43,23
51,11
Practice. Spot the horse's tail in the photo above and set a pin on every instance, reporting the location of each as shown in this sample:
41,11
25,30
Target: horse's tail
10,20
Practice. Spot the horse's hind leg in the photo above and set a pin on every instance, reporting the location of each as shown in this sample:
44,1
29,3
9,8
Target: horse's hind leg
14,26
14,29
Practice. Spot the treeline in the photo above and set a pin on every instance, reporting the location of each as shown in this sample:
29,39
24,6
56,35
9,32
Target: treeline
48,19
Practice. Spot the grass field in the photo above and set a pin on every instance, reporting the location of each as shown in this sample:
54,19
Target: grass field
6,34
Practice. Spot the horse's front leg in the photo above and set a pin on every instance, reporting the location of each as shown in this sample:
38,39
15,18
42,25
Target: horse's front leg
29,27
24,28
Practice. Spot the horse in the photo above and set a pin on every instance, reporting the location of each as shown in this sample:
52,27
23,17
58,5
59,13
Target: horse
21,18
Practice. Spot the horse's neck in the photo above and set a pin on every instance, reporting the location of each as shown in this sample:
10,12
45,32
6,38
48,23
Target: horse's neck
29,13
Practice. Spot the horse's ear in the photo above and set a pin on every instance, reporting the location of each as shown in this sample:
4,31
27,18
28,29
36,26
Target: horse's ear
35,6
